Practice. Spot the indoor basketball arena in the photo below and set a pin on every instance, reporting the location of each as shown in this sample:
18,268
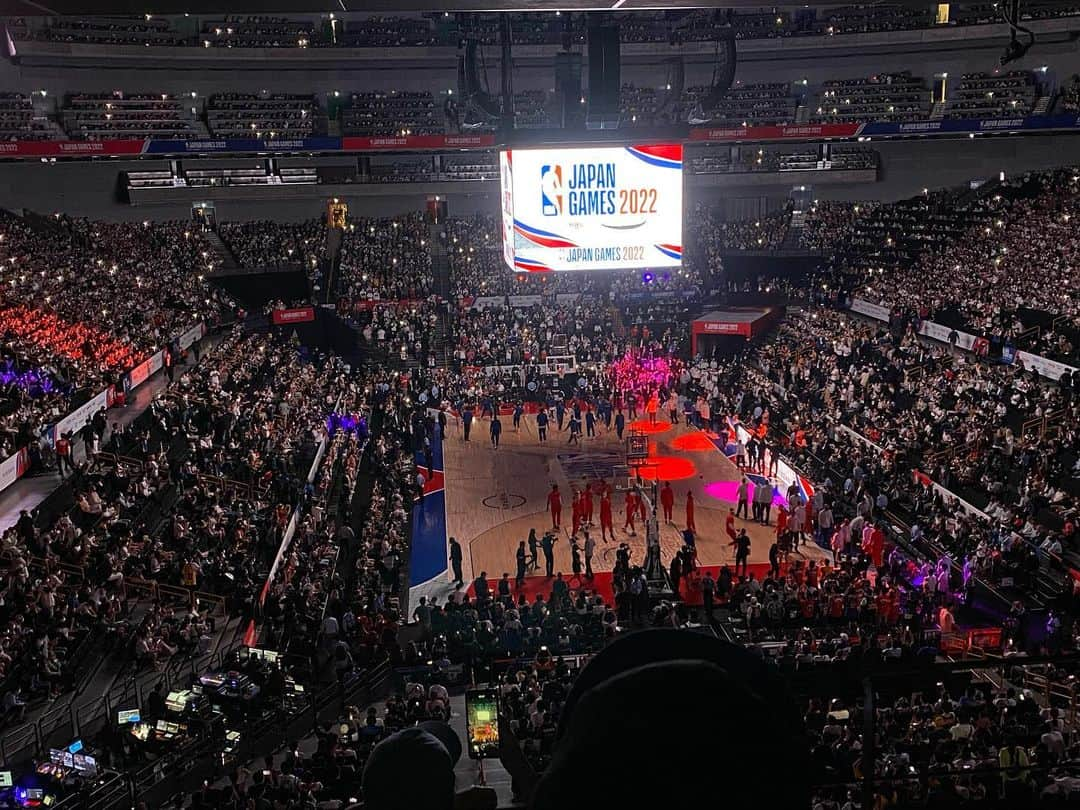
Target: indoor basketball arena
422,405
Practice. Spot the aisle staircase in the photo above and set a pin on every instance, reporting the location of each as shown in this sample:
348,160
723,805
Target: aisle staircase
793,237
226,259
332,269
617,320
1042,106
440,261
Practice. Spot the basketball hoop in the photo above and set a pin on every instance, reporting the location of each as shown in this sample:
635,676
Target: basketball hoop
637,447
637,458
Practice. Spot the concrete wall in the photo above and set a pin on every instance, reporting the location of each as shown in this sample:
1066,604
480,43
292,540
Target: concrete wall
90,188
60,68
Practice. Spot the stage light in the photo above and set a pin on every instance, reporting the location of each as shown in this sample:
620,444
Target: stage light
693,442
667,468
645,426
646,278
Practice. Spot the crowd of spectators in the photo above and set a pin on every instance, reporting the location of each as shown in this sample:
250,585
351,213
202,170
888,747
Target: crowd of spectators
85,301
104,116
766,103
104,31
265,31
262,115
828,223
257,31
1011,245
394,112
509,336
396,330
266,243
993,95
202,487
386,258
961,744
872,413
19,121
889,97
1069,98
955,421
882,97
715,235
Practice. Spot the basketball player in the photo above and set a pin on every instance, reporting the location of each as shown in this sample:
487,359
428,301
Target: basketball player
606,527
667,501
631,511
554,500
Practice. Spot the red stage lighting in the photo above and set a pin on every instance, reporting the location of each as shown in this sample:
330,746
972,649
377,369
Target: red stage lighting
693,442
667,468
645,426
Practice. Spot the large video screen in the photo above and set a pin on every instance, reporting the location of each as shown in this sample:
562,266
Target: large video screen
596,208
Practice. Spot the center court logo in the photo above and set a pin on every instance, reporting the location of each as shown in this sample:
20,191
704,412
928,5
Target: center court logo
551,190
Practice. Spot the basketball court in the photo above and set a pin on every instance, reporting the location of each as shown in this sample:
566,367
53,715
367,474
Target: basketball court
494,497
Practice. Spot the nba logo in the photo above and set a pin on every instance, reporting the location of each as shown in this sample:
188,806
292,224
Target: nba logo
551,190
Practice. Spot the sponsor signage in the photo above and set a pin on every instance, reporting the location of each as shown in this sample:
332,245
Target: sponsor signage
776,133
191,335
149,146
418,142
144,371
488,302
13,467
702,134
293,315
936,331
34,149
81,416
870,310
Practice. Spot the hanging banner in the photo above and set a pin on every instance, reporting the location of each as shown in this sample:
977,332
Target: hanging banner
701,134
870,310
315,144
1043,365
488,302
191,335
153,146
81,416
944,126
14,467
350,144
936,331
144,371
776,133
293,315
39,149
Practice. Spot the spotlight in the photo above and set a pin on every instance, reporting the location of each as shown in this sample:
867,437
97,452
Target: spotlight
646,278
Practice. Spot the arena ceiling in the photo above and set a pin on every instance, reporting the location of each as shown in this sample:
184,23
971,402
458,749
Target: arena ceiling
135,7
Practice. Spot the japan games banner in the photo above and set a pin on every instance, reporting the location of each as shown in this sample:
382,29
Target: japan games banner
595,208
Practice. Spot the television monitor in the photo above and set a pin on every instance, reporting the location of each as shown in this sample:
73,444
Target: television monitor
592,208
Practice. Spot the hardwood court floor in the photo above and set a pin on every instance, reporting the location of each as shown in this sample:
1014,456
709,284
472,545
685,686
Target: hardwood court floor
493,497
